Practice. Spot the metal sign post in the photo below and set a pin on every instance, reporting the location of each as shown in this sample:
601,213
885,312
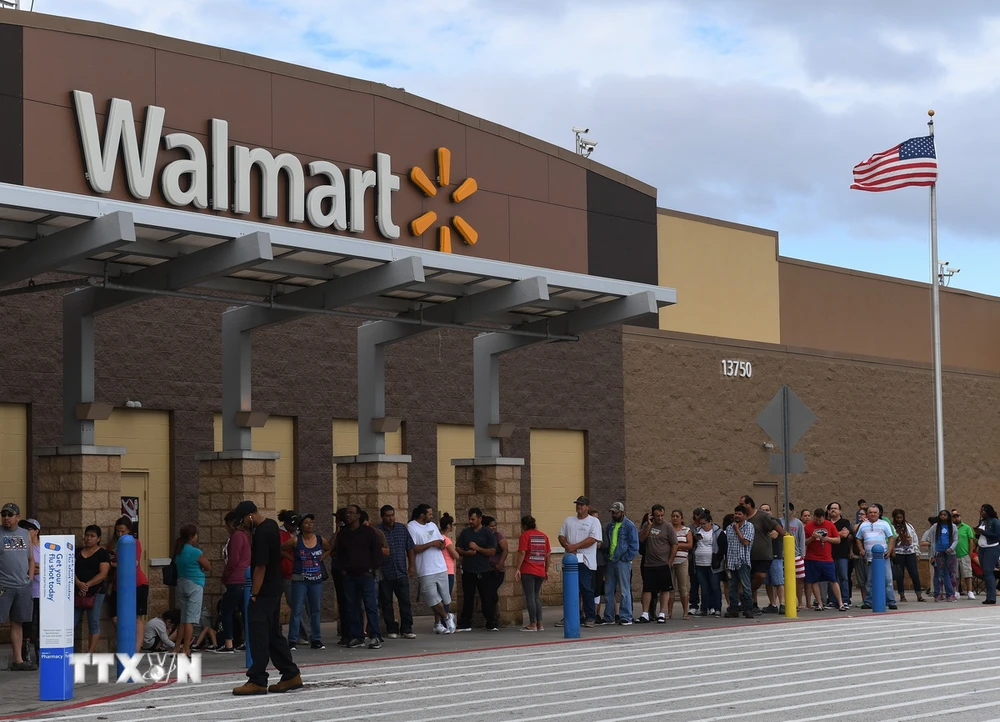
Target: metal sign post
785,419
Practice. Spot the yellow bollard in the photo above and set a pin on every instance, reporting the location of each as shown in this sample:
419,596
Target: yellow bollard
790,608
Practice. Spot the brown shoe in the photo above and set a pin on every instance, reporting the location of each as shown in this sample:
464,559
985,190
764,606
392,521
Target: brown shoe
248,689
287,685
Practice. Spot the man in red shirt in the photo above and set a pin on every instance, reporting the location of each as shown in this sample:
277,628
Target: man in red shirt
821,534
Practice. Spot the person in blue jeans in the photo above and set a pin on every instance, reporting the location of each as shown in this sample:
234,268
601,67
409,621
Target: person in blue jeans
623,546
739,540
359,555
872,532
580,535
307,551
988,541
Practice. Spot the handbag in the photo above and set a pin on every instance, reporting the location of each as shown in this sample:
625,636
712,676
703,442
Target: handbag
84,601
170,574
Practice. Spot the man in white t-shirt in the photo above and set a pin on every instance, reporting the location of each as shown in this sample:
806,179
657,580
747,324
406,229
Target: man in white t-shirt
429,566
875,531
580,535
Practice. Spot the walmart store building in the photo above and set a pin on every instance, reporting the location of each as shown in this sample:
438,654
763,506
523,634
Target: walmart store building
212,265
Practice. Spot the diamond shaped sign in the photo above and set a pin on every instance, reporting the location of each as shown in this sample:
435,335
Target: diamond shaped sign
800,417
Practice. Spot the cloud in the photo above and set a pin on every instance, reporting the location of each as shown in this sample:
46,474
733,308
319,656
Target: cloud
750,111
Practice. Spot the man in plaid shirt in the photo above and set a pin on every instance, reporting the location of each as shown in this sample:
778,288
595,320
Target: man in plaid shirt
739,538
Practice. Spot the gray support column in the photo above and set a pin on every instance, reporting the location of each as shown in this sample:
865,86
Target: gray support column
374,336
236,386
78,371
488,347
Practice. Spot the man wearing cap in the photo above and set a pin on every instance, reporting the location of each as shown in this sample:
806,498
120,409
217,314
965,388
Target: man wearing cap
16,571
264,611
580,535
623,547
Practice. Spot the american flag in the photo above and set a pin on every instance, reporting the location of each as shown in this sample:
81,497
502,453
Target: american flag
911,163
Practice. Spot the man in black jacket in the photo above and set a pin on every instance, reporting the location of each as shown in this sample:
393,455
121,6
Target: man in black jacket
358,554
263,614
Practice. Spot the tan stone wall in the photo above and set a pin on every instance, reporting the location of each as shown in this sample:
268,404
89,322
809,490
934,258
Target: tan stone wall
224,483
497,490
371,485
75,491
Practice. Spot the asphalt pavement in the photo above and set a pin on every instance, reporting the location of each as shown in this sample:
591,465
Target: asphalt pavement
928,662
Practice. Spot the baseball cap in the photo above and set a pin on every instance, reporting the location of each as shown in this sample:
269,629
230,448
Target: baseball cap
306,516
12,508
243,508
617,506
30,524
582,500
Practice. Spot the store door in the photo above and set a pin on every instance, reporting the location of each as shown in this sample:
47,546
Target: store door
135,494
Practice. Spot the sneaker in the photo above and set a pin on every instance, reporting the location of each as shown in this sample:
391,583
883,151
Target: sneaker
411,635
292,647
225,650
865,605
732,614
560,623
392,635
589,623
343,642
714,613
439,628
492,628
660,619
355,643
600,620
302,640
892,606
781,609
375,643
317,645
749,615
692,609
241,647
770,609
469,629
449,625
626,622
843,608
756,612
698,614
644,619
972,595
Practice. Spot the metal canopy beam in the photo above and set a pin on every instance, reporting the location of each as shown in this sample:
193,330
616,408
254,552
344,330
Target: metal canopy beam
488,347
238,325
80,308
374,337
69,246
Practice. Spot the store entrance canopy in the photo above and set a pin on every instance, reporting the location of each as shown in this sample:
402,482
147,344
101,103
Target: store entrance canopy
119,253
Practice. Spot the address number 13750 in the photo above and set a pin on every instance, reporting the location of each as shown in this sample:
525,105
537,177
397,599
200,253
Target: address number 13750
739,369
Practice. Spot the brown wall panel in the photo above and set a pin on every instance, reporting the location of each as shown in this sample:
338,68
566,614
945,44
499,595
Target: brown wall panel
57,63
11,104
412,137
194,90
506,167
857,313
547,235
692,438
324,122
567,184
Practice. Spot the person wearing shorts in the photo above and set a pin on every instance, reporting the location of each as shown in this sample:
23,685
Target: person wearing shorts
821,535
16,571
430,567
657,572
191,567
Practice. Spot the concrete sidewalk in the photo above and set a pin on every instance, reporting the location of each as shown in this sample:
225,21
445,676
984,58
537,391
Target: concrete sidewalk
19,690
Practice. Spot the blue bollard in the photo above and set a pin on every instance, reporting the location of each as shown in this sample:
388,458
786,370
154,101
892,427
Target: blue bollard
125,551
247,583
878,578
571,596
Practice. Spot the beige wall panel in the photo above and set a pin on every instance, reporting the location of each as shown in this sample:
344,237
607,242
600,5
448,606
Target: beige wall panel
13,456
726,279
345,443
454,441
278,434
558,476
146,438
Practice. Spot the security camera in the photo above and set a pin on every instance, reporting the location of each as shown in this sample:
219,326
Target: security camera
588,143
578,129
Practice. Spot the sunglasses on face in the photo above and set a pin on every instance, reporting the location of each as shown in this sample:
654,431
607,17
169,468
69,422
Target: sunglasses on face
6,514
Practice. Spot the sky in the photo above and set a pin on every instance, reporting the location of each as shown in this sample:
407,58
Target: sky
752,111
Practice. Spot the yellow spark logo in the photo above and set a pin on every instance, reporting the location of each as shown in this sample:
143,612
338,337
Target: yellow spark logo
469,186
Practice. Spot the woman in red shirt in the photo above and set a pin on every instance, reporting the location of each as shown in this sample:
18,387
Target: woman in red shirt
533,551
122,527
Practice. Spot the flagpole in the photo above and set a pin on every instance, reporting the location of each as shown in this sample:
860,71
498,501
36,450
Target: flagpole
936,313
